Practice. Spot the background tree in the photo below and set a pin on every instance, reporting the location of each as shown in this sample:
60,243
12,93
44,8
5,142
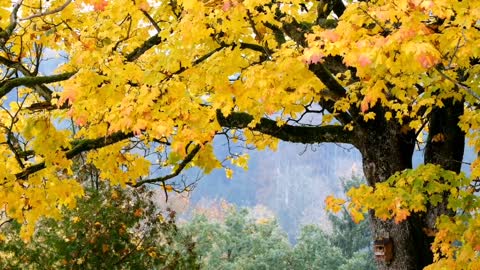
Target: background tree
114,228
240,241
315,251
347,246
149,85
111,228
353,238
349,236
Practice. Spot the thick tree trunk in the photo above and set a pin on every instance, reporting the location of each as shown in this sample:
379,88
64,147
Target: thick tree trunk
446,141
445,147
386,150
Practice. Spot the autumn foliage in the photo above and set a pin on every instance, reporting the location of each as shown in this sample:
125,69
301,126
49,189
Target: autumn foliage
141,89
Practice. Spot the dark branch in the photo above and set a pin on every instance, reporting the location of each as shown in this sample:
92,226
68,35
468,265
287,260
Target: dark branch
296,134
149,43
175,173
13,20
152,21
41,89
253,47
32,81
295,31
79,147
338,7
328,80
325,7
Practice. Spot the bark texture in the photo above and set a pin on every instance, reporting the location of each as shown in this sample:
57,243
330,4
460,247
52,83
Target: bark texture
386,149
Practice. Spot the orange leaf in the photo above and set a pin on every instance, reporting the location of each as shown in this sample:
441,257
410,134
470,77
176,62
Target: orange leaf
334,204
100,5
138,212
427,60
364,60
330,35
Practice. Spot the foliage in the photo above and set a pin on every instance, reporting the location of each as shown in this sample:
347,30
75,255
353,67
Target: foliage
110,228
353,238
113,228
239,242
314,251
242,242
410,191
143,90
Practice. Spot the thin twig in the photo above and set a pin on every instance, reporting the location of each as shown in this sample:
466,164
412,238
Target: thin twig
176,172
464,87
454,52
152,21
48,12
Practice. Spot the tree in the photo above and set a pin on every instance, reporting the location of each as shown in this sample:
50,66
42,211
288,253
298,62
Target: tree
315,251
353,239
111,228
239,242
147,86
348,246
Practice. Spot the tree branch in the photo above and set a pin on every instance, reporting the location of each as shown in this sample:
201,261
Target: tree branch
13,19
289,133
149,43
327,78
41,89
175,173
337,91
338,7
48,12
32,81
79,147
152,21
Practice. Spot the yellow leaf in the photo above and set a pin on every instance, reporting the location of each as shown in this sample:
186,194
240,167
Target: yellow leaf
333,204
229,173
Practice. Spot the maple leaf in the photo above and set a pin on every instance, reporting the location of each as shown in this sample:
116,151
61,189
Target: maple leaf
356,215
364,60
334,204
427,60
229,173
312,55
100,5
330,35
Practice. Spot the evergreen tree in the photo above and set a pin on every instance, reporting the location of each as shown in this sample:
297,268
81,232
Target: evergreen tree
240,242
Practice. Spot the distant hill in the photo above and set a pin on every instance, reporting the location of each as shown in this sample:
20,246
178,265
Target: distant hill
292,182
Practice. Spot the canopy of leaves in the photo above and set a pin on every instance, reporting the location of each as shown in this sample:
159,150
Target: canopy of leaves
408,192
144,89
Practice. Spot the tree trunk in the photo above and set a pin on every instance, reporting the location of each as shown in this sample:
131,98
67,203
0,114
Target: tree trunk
386,149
